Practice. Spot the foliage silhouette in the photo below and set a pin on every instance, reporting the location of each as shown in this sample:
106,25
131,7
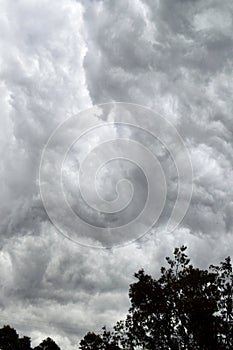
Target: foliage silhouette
47,344
10,340
186,308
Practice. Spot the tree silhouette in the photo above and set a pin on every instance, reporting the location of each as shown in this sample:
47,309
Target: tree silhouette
47,344
185,308
9,340
24,343
105,341
91,341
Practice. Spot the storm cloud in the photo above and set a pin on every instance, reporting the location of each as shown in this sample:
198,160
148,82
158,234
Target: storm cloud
61,57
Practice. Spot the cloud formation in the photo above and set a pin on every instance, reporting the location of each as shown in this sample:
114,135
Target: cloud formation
58,58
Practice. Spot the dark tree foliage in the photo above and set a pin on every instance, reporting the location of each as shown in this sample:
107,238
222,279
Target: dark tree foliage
91,341
47,344
24,343
105,341
186,308
10,340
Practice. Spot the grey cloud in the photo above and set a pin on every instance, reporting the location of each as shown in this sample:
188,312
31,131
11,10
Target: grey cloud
59,58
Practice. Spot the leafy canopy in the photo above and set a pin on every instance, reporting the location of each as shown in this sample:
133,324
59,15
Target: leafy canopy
186,308
10,340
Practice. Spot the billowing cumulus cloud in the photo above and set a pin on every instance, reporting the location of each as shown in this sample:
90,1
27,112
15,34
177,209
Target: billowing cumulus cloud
60,57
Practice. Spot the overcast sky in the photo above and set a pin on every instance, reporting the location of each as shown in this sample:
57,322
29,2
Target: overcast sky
58,58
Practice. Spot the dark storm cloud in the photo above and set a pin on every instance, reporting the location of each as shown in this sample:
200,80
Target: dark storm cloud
60,57
173,56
